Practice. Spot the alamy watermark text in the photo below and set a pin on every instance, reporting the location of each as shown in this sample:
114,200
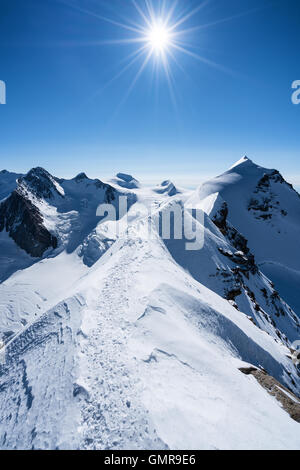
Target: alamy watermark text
296,93
2,92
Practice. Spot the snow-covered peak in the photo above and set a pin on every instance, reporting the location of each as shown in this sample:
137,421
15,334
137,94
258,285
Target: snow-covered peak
166,183
126,181
266,210
248,169
245,178
47,212
124,177
168,188
80,177
41,183
242,161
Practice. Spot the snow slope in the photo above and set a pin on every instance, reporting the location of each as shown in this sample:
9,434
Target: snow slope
286,280
120,341
222,267
142,356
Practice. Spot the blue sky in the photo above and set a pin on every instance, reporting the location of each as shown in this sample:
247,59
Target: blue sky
63,114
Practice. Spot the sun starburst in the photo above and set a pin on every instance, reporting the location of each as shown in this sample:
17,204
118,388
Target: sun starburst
163,31
159,37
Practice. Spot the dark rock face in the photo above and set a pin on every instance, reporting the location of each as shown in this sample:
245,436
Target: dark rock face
245,264
242,258
274,176
220,219
110,194
40,183
24,224
235,238
265,204
287,399
232,294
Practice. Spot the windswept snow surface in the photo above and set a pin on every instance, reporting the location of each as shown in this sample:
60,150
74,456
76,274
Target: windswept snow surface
135,349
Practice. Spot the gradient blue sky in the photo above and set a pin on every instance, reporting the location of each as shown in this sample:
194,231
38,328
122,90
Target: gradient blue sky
60,113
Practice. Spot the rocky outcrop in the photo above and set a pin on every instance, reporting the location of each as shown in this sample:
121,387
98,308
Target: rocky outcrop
24,224
265,203
234,237
288,400
242,258
244,263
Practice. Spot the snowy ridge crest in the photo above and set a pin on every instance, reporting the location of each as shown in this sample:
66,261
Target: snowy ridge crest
113,334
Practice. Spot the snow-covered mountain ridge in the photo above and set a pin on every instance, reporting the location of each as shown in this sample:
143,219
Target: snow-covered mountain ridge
114,339
263,207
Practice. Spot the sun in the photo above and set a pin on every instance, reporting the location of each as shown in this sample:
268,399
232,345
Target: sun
159,30
158,37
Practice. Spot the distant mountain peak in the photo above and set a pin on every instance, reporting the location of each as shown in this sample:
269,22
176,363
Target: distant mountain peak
125,177
81,176
38,171
167,187
126,181
41,183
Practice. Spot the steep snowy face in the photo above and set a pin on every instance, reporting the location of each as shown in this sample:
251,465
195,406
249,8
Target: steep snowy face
263,207
8,183
226,265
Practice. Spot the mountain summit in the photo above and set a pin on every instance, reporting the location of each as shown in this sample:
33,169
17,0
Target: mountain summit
266,210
